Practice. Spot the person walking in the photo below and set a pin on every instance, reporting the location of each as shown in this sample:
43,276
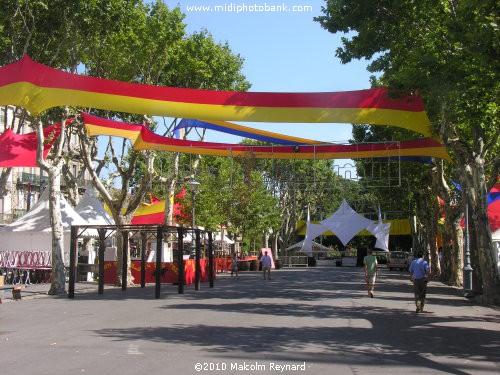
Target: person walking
371,271
266,265
234,266
419,271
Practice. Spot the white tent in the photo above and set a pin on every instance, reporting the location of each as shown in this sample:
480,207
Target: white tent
91,209
346,223
315,247
496,235
226,239
27,242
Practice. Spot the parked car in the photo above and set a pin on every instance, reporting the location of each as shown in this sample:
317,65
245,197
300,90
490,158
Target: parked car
381,256
399,260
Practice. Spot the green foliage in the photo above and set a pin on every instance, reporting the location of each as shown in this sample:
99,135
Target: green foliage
447,50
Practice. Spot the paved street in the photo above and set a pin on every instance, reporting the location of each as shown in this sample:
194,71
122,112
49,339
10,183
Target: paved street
312,321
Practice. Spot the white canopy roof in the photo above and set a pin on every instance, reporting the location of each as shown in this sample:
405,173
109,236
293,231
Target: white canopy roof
91,209
315,246
346,223
33,232
38,218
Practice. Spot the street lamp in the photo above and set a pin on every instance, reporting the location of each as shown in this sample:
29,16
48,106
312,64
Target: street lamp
467,270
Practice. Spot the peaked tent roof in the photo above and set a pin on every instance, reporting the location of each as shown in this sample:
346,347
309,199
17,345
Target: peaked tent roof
91,209
33,233
38,218
346,222
298,245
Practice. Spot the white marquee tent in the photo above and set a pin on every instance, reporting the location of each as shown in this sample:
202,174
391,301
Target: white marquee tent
315,247
91,209
27,242
345,223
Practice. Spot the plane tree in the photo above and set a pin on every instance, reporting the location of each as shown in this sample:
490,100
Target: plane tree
447,52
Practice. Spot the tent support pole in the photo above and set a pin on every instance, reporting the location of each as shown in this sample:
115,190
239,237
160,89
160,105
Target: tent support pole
159,252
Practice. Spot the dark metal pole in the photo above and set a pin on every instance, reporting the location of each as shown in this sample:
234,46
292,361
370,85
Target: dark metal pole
72,261
144,241
28,203
180,260
192,214
210,260
467,270
124,260
102,249
197,270
159,253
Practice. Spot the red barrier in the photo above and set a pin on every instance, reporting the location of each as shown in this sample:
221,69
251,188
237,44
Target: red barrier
169,272
224,264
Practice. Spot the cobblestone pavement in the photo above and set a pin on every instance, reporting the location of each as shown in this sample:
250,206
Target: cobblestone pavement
303,321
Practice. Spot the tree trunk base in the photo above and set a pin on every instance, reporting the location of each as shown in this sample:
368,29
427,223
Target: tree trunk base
54,291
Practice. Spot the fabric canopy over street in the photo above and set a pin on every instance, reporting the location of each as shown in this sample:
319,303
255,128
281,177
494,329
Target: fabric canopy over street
346,223
246,132
19,150
37,87
265,136
144,139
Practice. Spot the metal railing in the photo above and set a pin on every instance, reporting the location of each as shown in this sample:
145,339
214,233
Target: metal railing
295,261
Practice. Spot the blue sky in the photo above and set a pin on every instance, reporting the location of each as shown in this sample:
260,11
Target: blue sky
284,51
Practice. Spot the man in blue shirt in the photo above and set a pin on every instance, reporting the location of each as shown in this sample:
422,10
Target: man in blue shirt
419,270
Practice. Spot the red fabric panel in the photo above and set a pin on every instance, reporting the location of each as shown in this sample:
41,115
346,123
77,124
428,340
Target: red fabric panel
19,150
169,272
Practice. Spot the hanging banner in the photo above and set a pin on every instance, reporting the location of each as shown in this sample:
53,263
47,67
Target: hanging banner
245,132
37,88
144,139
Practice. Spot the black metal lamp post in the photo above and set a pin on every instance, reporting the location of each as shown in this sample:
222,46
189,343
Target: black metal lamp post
467,270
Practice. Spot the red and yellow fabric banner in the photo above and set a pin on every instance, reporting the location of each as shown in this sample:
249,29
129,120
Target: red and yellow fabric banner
154,212
144,139
37,87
